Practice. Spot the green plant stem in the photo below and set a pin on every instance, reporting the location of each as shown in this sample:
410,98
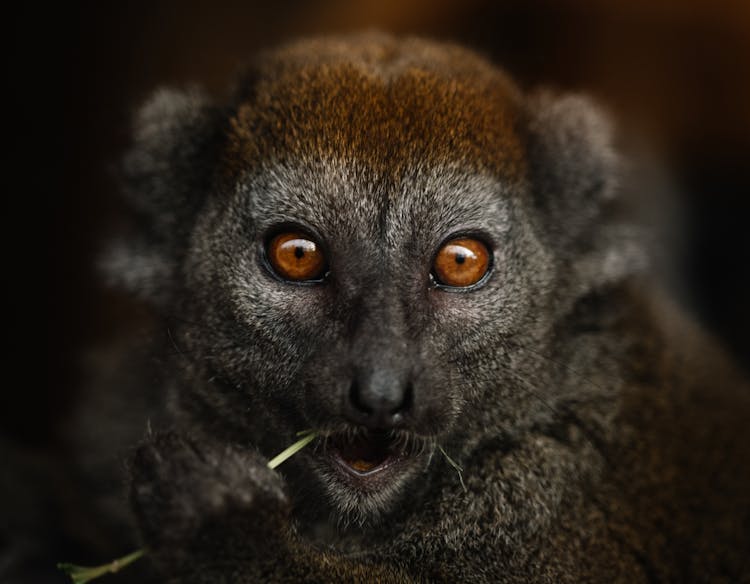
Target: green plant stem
292,450
83,574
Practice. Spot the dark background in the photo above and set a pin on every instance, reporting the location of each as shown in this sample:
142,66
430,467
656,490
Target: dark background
76,71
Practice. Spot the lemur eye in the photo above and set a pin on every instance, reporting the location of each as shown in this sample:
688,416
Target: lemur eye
294,256
461,262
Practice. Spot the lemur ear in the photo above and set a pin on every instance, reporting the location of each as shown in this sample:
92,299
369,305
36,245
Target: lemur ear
167,174
580,188
575,170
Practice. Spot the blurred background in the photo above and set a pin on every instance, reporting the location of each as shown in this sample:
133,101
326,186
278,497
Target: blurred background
77,70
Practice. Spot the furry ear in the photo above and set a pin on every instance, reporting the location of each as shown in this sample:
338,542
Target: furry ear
167,174
574,167
580,189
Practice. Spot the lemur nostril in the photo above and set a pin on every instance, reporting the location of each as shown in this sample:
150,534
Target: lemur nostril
407,400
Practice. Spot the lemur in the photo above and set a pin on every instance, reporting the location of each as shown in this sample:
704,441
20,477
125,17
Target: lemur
386,242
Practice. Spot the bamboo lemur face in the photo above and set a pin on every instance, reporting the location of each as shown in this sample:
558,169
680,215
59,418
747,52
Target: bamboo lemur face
352,245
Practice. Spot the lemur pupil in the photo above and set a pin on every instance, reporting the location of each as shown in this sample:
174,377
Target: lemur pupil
299,252
460,258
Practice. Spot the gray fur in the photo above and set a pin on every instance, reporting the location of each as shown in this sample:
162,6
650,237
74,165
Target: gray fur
528,381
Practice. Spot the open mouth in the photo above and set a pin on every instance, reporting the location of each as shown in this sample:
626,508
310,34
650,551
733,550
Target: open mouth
363,471
365,454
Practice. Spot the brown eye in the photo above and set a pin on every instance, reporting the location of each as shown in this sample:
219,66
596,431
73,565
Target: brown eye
294,256
461,262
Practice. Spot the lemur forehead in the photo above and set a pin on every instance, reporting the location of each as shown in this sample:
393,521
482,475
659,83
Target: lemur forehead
387,103
343,198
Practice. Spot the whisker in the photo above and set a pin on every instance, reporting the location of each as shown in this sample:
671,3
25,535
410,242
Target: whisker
455,465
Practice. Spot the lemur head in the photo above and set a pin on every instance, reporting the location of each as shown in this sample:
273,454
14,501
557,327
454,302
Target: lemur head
355,244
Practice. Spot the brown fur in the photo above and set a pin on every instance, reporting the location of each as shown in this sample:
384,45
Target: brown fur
346,100
670,500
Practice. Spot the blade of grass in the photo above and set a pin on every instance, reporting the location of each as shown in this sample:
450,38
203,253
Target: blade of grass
83,574
292,450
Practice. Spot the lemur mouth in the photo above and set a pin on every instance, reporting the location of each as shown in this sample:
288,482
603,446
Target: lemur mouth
365,454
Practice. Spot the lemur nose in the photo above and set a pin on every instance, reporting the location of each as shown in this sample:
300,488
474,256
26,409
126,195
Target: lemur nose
380,399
